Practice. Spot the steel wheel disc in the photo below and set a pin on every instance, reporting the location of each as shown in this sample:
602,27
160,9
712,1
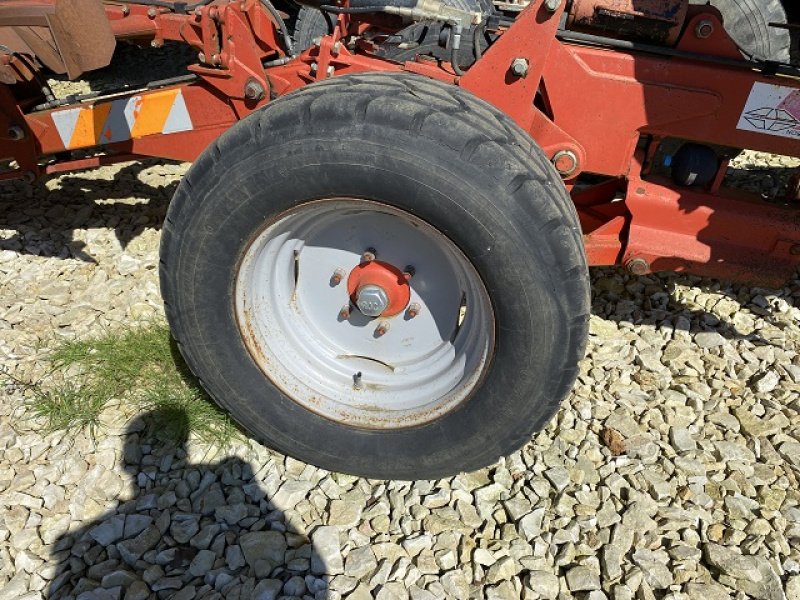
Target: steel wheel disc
379,373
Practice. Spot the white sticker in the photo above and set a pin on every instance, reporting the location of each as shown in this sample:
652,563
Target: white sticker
773,110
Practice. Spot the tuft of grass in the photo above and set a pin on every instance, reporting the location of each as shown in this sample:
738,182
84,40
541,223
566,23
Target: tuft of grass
140,366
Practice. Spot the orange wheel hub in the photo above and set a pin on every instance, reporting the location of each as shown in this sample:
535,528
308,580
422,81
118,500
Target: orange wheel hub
388,278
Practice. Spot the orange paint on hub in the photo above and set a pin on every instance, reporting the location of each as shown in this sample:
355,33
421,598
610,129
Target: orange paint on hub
388,277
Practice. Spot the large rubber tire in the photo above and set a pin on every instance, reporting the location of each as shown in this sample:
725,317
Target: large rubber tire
747,22
423,147
311,23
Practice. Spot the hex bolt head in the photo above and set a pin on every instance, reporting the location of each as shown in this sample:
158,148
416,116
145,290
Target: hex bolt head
16,133
337,276
413,310
152,12
331,70
519,67
552,5
369,255
704,29
253,90
382,328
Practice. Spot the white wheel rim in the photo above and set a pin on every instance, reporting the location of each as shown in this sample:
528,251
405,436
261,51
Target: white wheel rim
288,309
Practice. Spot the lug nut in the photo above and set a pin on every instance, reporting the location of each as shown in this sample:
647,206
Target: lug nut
382,328
337,276
344,314
369,255
638,266
413,310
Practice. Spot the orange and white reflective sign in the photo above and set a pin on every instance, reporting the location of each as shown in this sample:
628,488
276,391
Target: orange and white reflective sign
158,112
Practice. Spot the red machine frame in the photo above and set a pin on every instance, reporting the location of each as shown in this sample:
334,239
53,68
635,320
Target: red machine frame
593,109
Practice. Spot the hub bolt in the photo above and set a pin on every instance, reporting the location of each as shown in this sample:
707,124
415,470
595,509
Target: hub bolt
337,276
344,314
369,255
372,300
413,310
382,328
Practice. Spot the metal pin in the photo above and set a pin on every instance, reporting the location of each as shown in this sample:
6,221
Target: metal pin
344,314
413,310
369,255
337,276
382,328
357,383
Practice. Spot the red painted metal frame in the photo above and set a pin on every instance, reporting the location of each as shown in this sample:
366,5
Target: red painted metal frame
609,107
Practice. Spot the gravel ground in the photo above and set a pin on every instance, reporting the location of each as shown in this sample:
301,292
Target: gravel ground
671,471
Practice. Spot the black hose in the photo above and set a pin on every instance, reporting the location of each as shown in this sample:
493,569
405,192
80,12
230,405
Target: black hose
477,34
455,45
287,39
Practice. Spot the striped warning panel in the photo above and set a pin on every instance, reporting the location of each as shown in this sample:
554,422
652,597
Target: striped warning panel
163,111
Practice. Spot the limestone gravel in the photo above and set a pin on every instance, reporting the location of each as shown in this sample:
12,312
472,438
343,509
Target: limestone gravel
671,472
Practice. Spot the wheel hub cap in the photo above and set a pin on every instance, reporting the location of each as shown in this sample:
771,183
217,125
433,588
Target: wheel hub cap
378,289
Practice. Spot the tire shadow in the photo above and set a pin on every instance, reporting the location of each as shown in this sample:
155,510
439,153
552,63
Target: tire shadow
185,530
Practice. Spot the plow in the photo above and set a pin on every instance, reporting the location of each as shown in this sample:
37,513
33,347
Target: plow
378,262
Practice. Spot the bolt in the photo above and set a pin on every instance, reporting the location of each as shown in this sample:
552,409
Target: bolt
16,133
152,12
337,276
704,29
357,382
413,310
313,67
198,12
637,266
369,255
336,48
331,70
552,5
156,43
215,59
344,314
317,41
253,90
519,67
409,271
372,300
201,57
382,328
565,162
126,10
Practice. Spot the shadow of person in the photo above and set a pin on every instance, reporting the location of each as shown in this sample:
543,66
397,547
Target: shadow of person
187,531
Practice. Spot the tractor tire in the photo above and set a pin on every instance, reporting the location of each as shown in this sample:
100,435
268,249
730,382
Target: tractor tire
373,176
748,23
310,24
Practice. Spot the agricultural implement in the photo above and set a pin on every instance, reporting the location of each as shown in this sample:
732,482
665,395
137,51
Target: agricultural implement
378,260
